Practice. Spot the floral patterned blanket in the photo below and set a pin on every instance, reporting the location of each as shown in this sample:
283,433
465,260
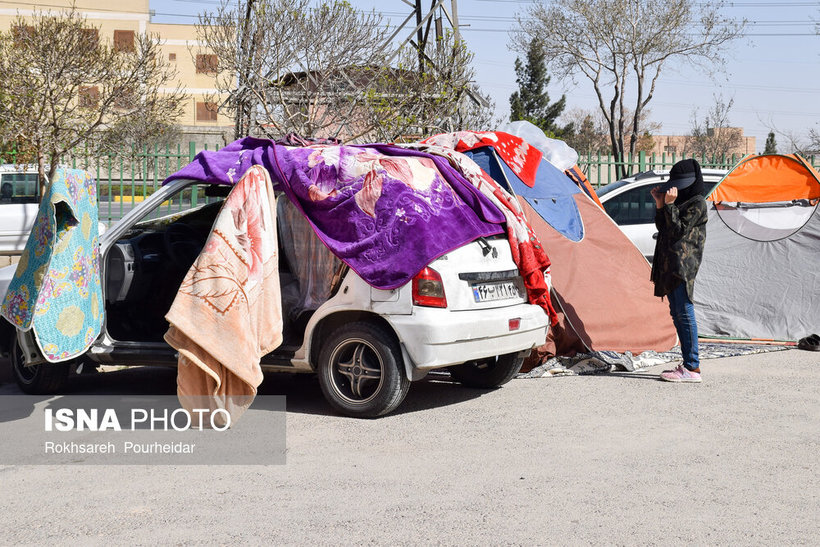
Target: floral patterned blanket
527,252
522,158
56,289
227,313
384,210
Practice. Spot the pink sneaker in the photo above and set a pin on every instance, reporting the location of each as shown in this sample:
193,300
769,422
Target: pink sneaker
680,374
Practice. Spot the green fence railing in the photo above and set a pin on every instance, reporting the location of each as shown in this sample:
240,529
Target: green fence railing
126,178
603,169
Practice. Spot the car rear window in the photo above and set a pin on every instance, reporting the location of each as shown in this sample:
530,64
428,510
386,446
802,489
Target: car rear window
18,188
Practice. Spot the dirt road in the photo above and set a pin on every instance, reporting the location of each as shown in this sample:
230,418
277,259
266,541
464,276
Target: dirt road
610,459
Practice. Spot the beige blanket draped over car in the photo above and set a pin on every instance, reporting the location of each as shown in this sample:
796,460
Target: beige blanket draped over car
227,313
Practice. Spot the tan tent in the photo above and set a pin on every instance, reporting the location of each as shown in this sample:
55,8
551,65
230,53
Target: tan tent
600,280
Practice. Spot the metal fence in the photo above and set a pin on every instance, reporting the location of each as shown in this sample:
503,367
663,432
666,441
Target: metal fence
603,169
126,178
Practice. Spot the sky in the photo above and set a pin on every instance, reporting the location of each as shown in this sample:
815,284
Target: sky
772,74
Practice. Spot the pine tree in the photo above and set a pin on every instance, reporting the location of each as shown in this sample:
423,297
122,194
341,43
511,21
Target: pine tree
532,102
771,145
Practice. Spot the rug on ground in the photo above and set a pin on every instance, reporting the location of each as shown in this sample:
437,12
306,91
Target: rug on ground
600,362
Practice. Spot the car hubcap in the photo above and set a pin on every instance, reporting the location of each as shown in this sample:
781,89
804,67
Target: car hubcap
356,371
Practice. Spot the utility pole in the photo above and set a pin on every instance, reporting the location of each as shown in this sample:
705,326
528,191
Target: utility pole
243,115
419,36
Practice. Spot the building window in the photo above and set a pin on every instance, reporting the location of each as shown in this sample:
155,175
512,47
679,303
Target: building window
206,64
92,36
205,112
172,56
124,40
89,96
21,33
125,99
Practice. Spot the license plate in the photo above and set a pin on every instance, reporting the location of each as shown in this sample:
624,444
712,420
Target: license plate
499,290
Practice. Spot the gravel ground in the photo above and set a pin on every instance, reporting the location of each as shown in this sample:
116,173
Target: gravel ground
615,459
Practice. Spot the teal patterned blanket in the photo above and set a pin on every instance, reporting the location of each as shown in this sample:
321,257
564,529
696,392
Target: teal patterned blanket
56,288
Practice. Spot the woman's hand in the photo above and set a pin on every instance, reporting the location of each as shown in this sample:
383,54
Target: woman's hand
671,195
658,196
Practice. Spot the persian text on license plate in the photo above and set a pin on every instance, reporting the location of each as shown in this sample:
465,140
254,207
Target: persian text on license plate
502,290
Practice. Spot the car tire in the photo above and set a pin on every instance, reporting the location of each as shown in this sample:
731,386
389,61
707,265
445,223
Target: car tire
361,371
43,379
489,373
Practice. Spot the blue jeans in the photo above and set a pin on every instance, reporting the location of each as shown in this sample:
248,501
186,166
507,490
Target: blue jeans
683,316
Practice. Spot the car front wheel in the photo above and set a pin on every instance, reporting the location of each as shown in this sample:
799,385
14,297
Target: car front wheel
43,379
360,371
489,373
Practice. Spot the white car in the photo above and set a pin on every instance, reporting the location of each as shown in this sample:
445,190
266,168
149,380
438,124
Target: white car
466,311
629,203
19,202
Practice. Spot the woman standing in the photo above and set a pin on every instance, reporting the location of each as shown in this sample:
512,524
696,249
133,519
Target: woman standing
680,217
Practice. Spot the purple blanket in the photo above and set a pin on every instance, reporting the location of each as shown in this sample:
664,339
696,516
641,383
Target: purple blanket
384,210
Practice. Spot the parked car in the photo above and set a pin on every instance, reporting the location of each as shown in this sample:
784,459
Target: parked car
19,201
629,203
467,311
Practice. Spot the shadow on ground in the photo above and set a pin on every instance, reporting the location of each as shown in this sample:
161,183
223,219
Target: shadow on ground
302,391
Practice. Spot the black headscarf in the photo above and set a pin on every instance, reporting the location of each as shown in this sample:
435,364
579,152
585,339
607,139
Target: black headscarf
687,178
694,189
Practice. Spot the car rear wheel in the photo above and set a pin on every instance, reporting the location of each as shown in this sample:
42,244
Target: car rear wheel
489,373
360,371
43,379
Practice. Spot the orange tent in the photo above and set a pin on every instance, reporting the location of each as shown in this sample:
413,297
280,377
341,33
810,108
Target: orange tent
768,179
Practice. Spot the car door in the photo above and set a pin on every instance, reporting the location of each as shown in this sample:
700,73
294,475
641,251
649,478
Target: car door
18,209
634,212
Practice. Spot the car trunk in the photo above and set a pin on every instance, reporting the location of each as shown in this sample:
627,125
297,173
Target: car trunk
480,275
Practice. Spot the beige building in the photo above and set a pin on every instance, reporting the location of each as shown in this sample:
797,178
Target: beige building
676,144
119,22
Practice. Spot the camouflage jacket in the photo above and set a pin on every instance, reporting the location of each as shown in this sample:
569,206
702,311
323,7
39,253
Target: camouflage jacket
679,248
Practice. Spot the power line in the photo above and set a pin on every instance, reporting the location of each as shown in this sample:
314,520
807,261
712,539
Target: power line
66,7
489,18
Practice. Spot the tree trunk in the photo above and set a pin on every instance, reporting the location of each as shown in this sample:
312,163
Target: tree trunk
52,169
41,174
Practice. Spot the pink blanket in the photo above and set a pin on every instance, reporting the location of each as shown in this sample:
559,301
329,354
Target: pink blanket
228,312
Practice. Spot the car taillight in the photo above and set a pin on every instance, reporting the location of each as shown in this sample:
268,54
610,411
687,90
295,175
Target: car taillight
428,290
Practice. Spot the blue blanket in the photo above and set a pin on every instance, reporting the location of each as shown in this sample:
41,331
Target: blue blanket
56,288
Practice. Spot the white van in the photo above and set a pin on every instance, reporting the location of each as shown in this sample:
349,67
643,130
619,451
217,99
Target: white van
19,202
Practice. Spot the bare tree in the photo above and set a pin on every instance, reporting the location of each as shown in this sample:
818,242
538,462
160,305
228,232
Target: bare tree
288,67
804,144
408,103
813,146
621,47
590,131
589,134
329,71
64,86
713,135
